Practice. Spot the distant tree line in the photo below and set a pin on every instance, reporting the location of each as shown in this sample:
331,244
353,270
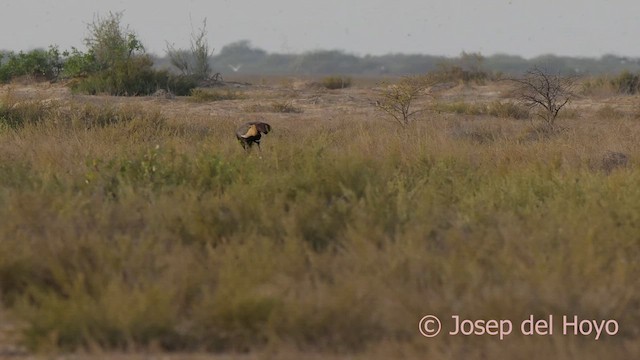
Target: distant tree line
252,60
116,62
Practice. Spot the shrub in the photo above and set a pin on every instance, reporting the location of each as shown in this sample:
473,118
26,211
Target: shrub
181,85
467,68
626,83
129,78
78,64
397,100
336,82
115,64
37,64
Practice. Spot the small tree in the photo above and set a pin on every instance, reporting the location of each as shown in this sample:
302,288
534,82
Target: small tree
397,100
115,62
110,43
548,93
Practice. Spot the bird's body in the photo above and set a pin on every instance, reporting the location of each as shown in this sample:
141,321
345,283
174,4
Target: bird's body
251,132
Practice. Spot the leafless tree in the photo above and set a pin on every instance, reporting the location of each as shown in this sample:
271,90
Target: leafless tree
195,61
548,93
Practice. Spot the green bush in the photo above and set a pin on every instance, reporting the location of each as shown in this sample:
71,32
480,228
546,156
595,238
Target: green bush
38,64
116,64
78,64
181,85
133,77
336,82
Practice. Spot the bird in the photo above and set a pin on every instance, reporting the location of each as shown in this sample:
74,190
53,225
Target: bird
250,133
235,68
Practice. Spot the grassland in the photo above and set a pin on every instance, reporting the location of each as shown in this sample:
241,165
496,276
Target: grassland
135,225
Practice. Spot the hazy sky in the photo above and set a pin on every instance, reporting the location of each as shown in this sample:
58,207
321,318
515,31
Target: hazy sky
437,27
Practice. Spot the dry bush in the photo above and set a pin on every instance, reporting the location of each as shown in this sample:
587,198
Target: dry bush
626,83
398,100
539,89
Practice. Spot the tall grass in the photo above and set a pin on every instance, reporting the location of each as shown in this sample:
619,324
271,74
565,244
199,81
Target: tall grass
138,234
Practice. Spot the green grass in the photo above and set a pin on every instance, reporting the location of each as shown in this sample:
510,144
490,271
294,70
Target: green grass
148,234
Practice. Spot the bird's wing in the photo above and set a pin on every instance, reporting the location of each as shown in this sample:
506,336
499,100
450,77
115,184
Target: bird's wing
263,127
252,131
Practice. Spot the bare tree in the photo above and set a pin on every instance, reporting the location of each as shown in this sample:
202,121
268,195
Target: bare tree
194,62
538,89
180,59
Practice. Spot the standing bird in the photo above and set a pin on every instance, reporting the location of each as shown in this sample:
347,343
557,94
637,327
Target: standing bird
251,132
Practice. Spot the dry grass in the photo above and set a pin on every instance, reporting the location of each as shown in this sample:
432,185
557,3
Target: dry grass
151,230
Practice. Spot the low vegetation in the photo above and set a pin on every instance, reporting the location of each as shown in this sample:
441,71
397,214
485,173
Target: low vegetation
625,83
124,229
133,225
501,109
115,63
36,64
207,95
